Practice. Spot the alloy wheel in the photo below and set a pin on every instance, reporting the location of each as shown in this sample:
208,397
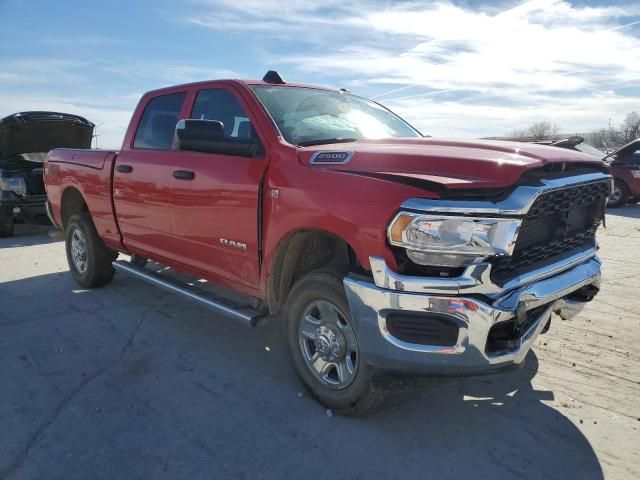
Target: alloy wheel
615,196
328,344
79,251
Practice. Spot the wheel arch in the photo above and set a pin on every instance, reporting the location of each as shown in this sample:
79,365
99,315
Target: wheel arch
72,202
300,252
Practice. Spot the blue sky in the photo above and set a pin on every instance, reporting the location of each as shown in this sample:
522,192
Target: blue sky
452,68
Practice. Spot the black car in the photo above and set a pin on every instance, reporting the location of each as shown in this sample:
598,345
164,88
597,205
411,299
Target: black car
25,139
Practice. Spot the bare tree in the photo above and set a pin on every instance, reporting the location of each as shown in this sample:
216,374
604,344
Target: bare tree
517,134
598,138
543,131
630,128
536,131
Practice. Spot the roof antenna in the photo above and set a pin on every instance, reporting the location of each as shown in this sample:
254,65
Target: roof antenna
273,77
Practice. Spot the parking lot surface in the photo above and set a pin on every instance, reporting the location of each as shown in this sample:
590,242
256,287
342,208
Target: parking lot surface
129,382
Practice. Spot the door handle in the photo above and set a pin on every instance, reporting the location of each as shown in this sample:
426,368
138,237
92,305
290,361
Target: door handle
184,175
124,168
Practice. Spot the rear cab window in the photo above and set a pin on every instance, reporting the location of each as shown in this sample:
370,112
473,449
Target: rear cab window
158,122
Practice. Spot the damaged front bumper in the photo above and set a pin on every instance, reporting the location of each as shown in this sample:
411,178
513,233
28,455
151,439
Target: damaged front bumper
437,328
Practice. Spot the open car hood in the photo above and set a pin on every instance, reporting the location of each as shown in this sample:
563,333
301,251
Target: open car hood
451,164
630,147
33,132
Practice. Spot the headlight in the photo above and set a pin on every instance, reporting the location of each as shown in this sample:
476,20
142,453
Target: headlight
635,173
16,185
450,241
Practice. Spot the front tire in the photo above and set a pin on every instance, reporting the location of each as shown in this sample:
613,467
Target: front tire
619,195
88,257
324,347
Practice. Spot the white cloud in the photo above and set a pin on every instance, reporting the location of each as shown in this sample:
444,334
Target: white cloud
42,70
575,114
559,59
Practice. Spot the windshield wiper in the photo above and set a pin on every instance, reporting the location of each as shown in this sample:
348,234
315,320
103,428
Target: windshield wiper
324,141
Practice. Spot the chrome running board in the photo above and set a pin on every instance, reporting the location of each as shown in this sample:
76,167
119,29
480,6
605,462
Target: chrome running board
245,315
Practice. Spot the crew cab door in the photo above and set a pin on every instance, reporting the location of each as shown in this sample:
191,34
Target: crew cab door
142,178
215,197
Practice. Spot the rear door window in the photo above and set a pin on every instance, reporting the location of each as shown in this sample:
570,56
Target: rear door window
158,122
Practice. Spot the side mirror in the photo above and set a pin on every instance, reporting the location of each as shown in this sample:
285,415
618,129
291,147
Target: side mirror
208,136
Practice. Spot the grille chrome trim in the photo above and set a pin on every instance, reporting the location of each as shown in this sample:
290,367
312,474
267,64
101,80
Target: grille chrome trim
517,203
476,279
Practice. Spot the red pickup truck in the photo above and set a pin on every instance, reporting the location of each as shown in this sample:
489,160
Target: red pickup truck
382,252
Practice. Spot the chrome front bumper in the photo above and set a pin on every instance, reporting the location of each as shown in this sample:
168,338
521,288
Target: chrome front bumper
371,304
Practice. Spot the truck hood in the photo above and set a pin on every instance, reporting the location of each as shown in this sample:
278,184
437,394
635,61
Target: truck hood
37,132
450,164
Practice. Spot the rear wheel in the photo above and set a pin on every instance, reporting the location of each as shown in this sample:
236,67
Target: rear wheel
324,346
619,195
88,257
7,229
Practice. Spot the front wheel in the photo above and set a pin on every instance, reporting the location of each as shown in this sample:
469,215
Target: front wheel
88,257
619,195
324,346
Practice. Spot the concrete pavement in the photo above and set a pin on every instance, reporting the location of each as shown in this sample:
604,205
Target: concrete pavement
129,382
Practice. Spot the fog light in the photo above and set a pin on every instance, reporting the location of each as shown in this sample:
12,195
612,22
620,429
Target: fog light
16,210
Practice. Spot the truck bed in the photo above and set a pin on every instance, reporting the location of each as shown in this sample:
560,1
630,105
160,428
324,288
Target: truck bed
89,172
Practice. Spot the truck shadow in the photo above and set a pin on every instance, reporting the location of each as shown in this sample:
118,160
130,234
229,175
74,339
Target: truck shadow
170,380
28,235
629,211
499,425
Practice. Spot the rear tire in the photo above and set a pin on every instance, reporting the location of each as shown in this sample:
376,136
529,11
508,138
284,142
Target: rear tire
88,257
619,195
7,229
317,305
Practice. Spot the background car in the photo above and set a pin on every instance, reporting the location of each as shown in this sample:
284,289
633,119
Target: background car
623,164
25,139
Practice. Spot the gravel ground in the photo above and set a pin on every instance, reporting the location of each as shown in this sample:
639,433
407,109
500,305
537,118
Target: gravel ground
131,382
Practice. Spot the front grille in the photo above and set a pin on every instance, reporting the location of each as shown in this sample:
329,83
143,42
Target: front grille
559,223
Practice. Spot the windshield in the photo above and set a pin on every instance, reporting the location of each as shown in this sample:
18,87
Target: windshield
307,116
588,149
